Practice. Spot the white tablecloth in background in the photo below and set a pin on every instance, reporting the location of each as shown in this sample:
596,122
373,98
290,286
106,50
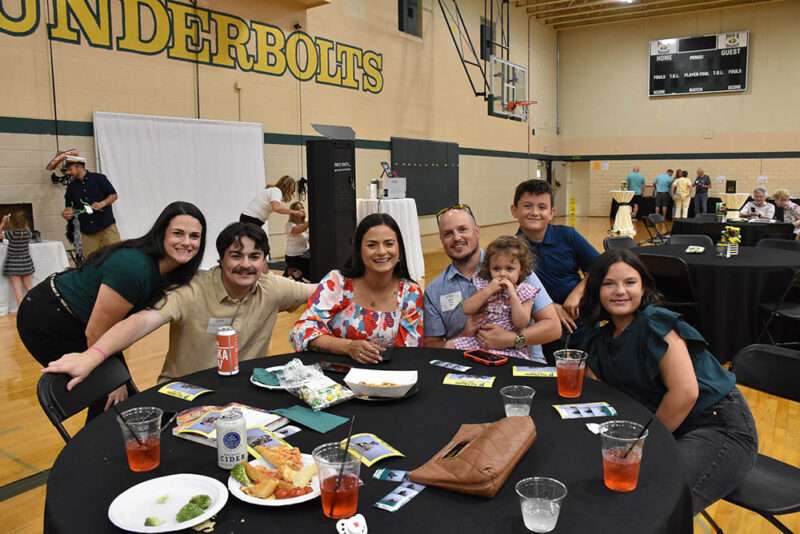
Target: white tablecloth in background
48,257
404,211
623,225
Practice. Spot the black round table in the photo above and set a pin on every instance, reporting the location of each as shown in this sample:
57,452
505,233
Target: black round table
729,291
92,470
752,233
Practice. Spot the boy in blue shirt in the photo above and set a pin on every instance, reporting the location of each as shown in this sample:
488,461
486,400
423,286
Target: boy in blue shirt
663,188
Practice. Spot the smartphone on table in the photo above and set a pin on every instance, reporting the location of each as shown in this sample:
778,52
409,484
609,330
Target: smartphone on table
484,357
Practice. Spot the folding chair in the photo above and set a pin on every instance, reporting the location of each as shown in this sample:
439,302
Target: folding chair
651,223
672,278
618,242
772,487
700,240
59,404
783,244
785,308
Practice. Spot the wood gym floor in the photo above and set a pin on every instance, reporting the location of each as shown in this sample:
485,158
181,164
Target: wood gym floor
29,444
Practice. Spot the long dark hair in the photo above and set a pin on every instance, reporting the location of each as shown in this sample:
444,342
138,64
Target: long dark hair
152,244
354,267
591,308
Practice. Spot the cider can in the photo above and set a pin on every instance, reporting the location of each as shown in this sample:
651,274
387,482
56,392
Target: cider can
231,439
227,351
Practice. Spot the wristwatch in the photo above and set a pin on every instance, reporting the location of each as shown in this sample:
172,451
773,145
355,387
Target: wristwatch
520,342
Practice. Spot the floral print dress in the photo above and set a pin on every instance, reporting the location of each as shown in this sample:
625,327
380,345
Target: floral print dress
332,311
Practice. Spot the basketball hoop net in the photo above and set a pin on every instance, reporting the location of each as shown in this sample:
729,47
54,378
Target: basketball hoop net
512,105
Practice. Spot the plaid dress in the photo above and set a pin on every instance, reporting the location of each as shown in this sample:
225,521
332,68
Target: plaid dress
18,257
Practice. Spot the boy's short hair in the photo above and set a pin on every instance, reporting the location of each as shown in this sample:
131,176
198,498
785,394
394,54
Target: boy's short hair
533,187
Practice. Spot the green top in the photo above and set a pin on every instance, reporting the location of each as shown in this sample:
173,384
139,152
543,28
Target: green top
128,271
630,361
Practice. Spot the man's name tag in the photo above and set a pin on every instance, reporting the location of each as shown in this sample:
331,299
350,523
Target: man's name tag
215,323
450,301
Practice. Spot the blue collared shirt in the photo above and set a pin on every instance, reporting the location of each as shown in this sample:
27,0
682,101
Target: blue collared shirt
559,257
444,313
663,183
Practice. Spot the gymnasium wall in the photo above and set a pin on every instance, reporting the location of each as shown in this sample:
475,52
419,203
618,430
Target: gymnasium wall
401,86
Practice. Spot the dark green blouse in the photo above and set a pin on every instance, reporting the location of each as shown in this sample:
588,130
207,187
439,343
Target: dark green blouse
630,361
130,272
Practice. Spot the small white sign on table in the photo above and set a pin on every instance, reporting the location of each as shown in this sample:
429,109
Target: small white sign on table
404,211
48,257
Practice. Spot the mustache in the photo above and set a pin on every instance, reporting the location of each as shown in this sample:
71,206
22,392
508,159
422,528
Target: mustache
244,270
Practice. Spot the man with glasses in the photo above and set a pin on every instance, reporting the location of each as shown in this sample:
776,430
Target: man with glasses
444,315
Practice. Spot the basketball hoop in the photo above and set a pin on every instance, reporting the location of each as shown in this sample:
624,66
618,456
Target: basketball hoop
514,104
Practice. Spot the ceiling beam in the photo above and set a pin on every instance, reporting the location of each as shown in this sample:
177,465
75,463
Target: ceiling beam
573,25
581,17
532,9
626,7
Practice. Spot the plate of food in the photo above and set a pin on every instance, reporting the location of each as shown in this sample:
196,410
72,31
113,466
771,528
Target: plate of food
385,384
274,369
168,503
282,476
695,249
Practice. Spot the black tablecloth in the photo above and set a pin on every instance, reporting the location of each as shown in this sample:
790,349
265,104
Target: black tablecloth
752,233
92,470
647,205
729,290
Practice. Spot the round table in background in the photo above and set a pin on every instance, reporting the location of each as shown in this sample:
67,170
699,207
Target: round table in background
729,291
404,211
623,225
752,232
92,469
734,203
48,257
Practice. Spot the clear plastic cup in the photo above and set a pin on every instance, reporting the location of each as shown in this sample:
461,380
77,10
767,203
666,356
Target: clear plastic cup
570,369
540,499
622,454
517,400
338,480
144,453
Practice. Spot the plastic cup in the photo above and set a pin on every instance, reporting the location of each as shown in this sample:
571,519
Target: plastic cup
622,454
144,454
540,499
517,400
338,477
570,369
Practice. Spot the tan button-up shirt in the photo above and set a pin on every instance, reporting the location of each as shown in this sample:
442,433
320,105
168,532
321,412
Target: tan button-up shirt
196,310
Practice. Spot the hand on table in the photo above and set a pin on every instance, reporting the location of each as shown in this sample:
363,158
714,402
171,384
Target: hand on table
565,318
116,396
364,351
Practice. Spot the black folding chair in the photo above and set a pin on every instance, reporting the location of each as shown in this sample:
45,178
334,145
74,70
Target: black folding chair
651,223
783,244
772,487
672,278
788,307
60,404
700,240
618,242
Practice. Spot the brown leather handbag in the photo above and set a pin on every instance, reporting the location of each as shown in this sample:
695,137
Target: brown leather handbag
479,458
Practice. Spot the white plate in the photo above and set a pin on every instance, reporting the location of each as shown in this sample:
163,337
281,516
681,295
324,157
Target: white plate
357,380
272,370
131,507
236,487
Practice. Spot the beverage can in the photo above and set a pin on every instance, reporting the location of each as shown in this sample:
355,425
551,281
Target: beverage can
231,439
227,351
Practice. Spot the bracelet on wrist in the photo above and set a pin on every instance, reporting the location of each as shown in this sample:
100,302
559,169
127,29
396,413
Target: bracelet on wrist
99,350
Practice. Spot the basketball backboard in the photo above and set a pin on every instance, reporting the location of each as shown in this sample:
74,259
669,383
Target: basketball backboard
508,83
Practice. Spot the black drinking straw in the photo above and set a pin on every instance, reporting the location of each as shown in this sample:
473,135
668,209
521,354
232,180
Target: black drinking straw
127,425
638,437
566,341
345,453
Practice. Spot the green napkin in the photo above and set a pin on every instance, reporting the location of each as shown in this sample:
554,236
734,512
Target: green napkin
268,378
320,421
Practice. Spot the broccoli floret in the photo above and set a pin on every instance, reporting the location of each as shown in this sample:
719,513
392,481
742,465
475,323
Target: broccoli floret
153,522
238,473
203,501
189,511
162,499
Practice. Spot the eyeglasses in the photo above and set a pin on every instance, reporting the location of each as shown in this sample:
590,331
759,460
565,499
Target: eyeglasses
464,207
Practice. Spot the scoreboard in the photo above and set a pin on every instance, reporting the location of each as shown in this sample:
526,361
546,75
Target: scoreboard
702,64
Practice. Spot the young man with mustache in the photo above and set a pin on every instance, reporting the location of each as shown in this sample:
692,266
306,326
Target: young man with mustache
235,293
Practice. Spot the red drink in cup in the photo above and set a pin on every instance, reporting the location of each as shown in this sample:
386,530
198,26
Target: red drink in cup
341,502
623,444
570,370
141,431
144,457
227,351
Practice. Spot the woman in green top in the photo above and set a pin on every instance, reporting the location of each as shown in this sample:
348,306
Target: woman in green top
653,355
69,311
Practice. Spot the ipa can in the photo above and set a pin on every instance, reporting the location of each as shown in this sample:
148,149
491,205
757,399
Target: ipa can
227,351
231,439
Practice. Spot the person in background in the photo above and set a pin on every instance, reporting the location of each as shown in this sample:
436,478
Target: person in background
445,295
270,200
70,311
657,358
663,185
298,261
682,194
758,208
239,292
90,195
791,211
701,185
18,266
635,181
369,305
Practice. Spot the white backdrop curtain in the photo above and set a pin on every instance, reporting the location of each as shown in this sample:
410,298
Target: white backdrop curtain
152,161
